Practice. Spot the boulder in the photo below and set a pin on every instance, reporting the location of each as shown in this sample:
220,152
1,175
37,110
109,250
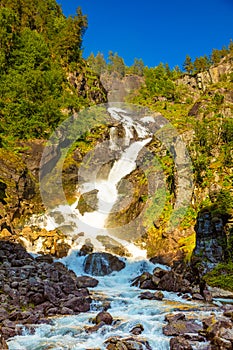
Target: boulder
78,304
87,248
181,327
180,343
178,325
130,343
152,296
105,317
86,281
174,282
137,329
101,264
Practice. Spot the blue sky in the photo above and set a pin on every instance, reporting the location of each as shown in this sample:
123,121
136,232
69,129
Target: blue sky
156,31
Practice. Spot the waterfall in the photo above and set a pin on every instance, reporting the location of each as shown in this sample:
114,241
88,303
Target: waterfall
127,309
92,224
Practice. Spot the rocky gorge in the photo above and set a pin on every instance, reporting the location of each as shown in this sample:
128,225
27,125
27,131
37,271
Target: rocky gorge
49,290
119,286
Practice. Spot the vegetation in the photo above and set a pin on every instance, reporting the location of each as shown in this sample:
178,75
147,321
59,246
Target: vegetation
39,46
221,276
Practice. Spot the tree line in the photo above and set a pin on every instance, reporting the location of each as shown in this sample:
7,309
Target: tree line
203,63
39,45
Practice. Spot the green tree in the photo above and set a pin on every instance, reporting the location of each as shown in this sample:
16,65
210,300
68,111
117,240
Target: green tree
97,63
68,42
9,26
138,67
216,56
116,64
201,64
188,65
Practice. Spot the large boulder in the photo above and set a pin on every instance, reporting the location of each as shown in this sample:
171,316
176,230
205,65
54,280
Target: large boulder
101,264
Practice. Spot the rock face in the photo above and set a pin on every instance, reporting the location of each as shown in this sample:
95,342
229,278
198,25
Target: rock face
210,76
90,88
118,88
101,264
16,189
211,240
39,287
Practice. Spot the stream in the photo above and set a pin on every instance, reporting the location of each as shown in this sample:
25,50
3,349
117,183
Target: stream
69,332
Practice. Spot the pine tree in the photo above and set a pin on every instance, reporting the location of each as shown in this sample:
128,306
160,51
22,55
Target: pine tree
188,65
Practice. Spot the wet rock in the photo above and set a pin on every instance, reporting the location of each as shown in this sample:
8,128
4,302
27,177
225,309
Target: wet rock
51,288
105,317
137,329
87,248
130,343
78,304
178,325
158,295
194,337
229,313
158,272
207,296
180,343
66,311
152,296
168,258
174,317
88,202
138,281
95,328
197,296
101,264
181,327
221,344
146,295
45,258
86,281
173,282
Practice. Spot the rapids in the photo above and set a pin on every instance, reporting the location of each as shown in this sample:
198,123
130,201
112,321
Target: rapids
68,332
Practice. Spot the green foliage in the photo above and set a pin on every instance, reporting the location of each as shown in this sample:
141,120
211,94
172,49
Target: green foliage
221,276
137,68
201,64
116,64
188,65
224,203
159,82
98,63
38,46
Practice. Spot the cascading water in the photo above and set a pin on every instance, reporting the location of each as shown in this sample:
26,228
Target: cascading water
127,309
92,224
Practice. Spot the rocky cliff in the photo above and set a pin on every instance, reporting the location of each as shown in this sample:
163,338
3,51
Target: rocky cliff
213,75
118,87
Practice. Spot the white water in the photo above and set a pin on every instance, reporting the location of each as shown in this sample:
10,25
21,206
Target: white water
92,223
68,332
126,308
